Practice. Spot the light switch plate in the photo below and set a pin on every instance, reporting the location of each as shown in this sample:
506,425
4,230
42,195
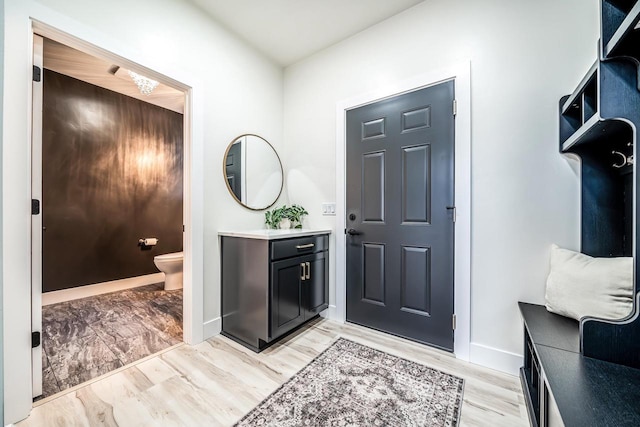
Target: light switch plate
329,209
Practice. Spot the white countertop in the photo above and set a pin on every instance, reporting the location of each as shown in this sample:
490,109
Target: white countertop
273,234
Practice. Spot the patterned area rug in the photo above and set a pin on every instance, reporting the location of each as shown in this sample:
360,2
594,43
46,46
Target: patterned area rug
350,384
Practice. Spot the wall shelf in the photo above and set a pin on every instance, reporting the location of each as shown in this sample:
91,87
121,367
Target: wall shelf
620,36
575,99
604,106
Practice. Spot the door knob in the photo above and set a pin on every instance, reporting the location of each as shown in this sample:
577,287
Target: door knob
352,232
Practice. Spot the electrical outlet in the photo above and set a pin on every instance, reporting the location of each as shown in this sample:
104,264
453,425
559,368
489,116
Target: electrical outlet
329,209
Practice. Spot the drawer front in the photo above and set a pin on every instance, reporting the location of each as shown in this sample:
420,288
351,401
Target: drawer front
286,248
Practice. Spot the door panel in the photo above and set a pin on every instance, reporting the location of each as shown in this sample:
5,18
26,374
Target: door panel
416,189
373,129
317,291
400,168
286,310
373,186
373,271
299,291
416,280
416,119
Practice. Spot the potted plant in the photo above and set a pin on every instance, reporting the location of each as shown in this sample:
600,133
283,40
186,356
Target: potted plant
285,217
273,217
295,214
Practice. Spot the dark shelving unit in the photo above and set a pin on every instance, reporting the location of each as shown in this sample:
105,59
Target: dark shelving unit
588,372
598,122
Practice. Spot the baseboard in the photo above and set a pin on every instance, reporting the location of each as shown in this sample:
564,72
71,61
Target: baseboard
55,297
494,358
212,327
331,313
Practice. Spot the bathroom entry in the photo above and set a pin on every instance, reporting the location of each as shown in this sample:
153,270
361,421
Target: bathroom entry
107,216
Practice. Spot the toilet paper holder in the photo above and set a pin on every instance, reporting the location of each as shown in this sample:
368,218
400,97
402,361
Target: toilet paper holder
148,241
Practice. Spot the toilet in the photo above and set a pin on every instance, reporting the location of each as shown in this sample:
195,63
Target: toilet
171,266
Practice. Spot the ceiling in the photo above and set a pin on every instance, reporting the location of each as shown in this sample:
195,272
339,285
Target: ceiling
284,30
290,30
68,61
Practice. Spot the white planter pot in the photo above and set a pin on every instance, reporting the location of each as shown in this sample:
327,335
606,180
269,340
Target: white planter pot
285,224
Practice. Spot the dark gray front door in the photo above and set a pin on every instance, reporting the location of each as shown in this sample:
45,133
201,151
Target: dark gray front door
400,193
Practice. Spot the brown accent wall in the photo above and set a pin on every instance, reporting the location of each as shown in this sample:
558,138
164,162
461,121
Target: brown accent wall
112,173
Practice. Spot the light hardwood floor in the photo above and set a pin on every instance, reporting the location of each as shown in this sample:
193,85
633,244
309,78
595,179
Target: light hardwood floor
218,381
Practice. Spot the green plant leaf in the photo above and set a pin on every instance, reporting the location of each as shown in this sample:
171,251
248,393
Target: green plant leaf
294,213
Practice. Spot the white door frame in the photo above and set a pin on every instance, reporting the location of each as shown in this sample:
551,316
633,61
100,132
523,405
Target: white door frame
461,75
17,302
36,220
192,199
56,35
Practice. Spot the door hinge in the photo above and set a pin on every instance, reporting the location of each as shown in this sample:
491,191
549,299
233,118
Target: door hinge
453,211
35,339
37,73
455,107
453,322
35,207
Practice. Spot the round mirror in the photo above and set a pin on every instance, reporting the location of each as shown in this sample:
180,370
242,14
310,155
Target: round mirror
253,172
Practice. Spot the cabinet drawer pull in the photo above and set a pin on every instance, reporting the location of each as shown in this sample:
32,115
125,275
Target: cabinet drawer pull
307,246
308,271
302,267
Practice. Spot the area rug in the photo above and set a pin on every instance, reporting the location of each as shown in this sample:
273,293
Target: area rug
350,384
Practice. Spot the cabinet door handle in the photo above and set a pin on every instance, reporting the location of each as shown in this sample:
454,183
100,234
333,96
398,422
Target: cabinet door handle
308,271
307,246
302,266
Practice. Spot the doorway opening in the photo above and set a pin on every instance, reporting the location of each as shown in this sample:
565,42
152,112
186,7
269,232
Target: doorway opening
109,175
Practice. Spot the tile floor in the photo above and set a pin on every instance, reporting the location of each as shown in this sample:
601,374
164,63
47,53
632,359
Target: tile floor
88,337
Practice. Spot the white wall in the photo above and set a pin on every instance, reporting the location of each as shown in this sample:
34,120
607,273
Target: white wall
1,239
263,174
524,56
238,91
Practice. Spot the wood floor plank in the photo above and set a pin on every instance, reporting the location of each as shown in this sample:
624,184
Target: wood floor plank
156,370
128,383
66,410
271,370
98,412
249,375
218,381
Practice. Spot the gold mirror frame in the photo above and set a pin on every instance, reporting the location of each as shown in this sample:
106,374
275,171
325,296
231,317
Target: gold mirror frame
226,181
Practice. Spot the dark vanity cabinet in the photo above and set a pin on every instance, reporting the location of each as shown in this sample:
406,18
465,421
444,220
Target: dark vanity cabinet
271,284
298,290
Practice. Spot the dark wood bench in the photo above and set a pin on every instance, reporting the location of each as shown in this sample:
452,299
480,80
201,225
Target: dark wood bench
562,387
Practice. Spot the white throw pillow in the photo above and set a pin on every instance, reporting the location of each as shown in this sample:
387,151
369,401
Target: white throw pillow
579,285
